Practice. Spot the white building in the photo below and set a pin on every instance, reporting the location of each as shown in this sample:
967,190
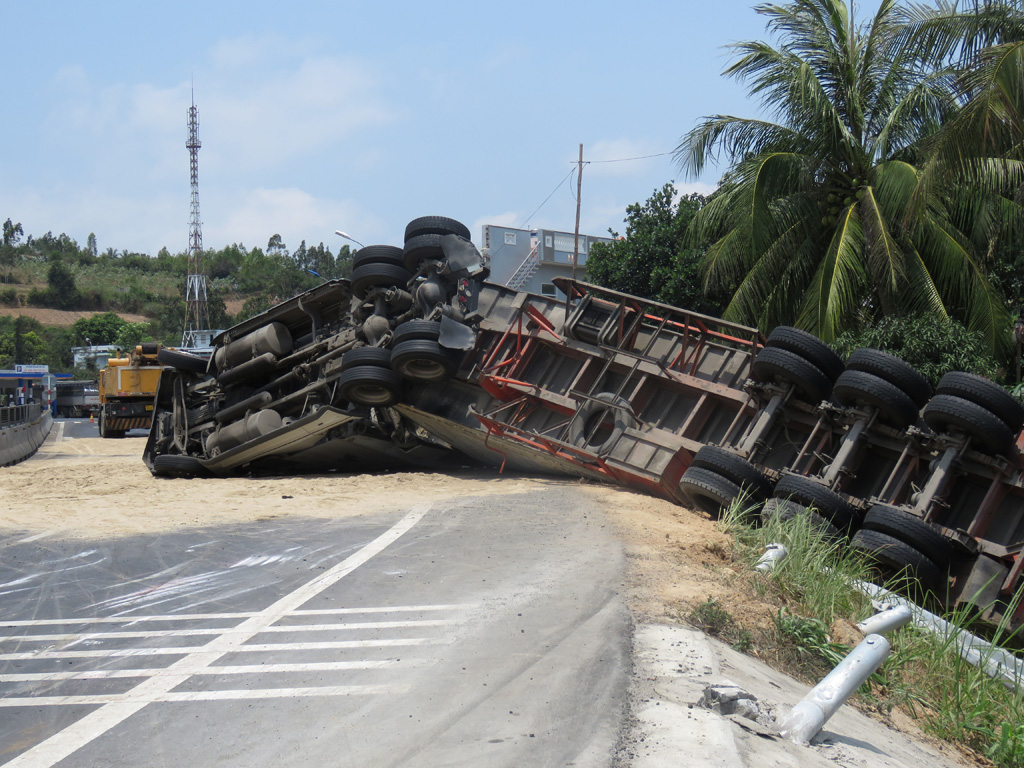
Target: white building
93,358
527,259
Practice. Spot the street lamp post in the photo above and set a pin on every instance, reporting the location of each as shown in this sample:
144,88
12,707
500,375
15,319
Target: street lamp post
339,233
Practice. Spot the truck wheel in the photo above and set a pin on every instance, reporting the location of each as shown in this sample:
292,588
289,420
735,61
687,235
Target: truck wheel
435,225
910,529
896,557
779,365
735,468
893,405
708,491
372,275
177,465
422,248
422,360
893,370
182,360
588,429
370,385
947,413
429,330
809,347
829,504
366,356
986,393
377,254
784,509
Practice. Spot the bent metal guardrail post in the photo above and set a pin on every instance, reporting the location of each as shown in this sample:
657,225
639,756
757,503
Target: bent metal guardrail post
811,713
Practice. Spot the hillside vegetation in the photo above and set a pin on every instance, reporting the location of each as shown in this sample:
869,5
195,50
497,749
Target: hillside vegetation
126,297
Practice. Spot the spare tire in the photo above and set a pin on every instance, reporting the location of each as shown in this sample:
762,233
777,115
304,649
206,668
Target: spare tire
586,426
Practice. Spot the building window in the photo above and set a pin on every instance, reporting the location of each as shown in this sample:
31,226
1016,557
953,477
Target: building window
547,289
548,241
510,238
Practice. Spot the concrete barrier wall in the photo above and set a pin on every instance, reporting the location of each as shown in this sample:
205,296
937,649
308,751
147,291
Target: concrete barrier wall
19,442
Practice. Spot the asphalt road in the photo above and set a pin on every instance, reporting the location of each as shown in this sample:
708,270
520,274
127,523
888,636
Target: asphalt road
486,632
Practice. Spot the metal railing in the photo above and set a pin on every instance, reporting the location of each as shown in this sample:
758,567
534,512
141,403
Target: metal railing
19,414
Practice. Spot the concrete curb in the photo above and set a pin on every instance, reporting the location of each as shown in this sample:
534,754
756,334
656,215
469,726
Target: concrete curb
675,666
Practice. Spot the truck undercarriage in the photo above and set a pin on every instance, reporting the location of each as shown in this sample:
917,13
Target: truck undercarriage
418,361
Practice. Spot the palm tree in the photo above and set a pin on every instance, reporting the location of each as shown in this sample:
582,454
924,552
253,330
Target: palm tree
825,218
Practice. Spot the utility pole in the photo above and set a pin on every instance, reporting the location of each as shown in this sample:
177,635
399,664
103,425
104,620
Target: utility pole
576,236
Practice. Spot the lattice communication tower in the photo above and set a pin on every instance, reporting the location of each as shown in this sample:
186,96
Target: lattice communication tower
197,320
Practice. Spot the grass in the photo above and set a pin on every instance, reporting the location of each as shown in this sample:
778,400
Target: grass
924,675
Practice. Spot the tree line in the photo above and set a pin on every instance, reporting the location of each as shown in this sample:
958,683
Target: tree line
56,272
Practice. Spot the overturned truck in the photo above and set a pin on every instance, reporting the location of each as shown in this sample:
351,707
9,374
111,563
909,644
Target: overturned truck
418,361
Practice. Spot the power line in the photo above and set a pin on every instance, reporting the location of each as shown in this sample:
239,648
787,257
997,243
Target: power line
627,159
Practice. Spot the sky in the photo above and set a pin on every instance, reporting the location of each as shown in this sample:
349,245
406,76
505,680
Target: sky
353,116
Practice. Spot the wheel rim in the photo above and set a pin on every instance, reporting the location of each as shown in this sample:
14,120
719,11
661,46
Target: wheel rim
372,394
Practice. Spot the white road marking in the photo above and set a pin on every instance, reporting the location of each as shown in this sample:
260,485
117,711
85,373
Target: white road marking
37,537
239,615
83,731
234,669
130,698
326,645
219,631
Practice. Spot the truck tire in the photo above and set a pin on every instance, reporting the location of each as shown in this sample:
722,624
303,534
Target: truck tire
370,385
781,366
377,356
896,557
422,248
893,370
105,432
377,254
826,502
912,530
182,360
892,404
375,275
987,394
948,413
585,427
177,465
435,225
784,509
809,347
429,330
423,360
735,468
708,491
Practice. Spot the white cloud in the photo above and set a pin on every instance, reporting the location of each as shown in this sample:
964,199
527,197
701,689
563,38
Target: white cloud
253,216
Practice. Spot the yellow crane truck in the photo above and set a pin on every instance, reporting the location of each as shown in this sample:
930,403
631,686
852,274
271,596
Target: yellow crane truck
127,388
